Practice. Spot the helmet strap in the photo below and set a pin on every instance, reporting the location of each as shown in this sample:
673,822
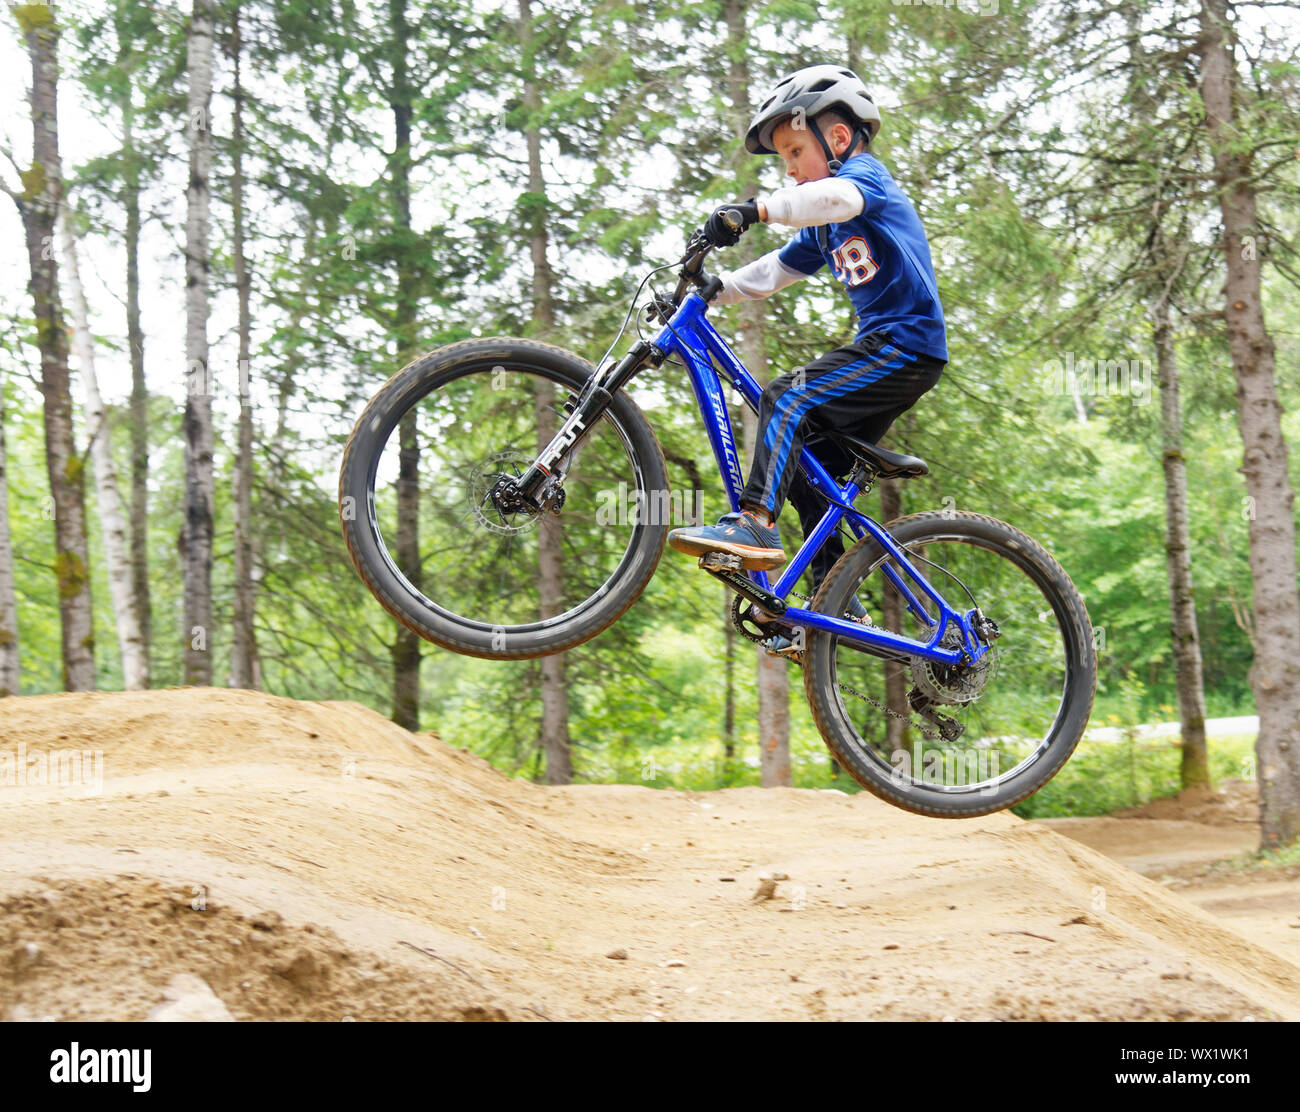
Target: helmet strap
832,163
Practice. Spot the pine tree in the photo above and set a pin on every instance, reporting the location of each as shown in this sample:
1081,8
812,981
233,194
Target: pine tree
1275,675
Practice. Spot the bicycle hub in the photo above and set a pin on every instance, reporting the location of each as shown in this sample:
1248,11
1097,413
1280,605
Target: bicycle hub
507,498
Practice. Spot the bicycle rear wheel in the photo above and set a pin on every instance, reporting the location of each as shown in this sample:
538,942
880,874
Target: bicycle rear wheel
426,539
1008,724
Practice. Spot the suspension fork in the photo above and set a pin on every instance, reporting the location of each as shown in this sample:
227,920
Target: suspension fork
536,489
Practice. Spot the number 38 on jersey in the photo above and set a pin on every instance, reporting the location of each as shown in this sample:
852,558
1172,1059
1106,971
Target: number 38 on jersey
854,265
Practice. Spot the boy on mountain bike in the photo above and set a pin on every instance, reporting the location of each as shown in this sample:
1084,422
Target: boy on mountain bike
852,216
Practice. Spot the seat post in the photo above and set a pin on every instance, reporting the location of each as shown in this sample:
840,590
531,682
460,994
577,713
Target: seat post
862,475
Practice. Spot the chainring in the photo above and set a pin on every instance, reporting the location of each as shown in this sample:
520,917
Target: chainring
742,612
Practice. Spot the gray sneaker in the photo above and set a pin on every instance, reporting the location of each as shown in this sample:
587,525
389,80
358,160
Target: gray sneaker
738,534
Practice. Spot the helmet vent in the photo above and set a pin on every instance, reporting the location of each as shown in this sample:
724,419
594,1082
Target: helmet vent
813,89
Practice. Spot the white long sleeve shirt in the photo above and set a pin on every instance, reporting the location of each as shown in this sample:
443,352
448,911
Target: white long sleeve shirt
828,201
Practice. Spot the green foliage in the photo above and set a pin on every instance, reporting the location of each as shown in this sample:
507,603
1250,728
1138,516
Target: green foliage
34,178
33,16
1287,858
1039,221
1111,774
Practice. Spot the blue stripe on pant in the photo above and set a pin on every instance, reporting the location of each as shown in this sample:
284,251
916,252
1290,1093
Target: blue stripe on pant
784,409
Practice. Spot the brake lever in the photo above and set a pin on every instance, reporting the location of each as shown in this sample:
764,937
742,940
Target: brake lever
660,309
691,274
698,245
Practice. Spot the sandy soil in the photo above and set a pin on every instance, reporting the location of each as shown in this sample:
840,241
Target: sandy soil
313,861
1182,843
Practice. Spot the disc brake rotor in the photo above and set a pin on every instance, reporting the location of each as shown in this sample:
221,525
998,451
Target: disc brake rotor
482,478
955,685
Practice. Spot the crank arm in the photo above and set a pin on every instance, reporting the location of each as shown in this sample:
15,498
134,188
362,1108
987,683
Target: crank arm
727,568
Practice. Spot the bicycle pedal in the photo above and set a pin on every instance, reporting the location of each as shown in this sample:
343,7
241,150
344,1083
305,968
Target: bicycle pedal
720,561
785,649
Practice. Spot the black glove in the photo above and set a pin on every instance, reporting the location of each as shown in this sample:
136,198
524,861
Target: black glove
723,228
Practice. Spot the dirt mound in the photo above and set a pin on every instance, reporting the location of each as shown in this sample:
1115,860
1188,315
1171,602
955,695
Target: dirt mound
110,949
1200,847
389,857
1233,803
204,726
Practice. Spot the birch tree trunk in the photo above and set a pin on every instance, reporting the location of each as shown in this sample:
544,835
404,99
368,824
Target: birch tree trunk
9,670
773,677
1275,674
139,390
196,533
38,204
243,648
555,740
112,513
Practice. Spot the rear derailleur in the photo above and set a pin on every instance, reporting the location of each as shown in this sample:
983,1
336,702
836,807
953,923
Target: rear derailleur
949,728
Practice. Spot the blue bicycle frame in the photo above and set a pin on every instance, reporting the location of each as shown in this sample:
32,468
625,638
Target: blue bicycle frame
689,335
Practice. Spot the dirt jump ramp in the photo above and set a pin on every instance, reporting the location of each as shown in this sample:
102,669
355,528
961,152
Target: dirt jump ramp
242,856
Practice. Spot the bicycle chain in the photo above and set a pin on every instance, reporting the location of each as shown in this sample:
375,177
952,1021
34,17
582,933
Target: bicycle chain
933,735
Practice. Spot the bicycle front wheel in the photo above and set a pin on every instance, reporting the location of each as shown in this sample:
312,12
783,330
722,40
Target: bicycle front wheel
996,731
426,539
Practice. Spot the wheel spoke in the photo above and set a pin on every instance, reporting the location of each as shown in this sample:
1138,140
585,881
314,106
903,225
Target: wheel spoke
480,562
1011,706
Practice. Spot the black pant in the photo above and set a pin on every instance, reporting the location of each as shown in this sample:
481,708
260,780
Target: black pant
858,389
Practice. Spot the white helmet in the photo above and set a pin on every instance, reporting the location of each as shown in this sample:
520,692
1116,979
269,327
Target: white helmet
810,91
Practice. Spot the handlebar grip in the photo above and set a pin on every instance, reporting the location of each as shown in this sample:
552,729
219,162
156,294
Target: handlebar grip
733,219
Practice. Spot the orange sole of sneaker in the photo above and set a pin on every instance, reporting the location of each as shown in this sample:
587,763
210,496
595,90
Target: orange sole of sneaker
754,559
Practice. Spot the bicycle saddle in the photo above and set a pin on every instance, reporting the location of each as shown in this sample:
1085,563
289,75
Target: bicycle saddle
886,464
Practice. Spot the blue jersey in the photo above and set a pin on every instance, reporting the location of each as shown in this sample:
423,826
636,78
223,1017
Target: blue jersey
883,259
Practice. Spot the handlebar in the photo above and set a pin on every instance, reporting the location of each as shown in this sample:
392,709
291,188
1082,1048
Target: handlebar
693,272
